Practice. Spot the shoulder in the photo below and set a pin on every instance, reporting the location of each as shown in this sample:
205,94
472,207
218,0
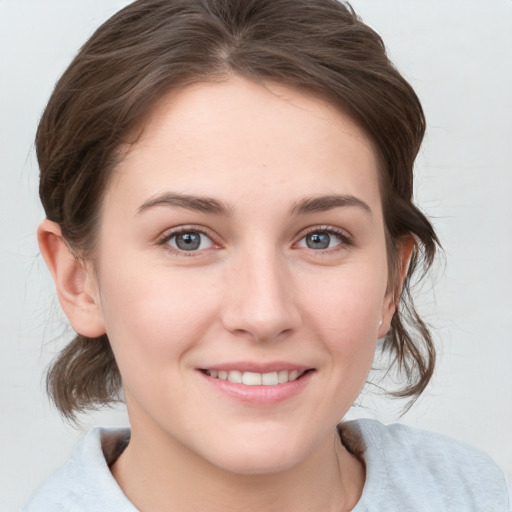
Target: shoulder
421,470
85,483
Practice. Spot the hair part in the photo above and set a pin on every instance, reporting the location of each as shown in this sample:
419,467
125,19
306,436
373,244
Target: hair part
152,47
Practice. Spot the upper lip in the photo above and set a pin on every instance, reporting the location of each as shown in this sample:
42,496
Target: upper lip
247,366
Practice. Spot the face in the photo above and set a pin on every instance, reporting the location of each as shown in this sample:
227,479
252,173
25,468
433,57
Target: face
241,273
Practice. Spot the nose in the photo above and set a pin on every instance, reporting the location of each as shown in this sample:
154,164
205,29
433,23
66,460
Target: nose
259,302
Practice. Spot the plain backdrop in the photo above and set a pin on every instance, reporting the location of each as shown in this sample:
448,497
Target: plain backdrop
458,56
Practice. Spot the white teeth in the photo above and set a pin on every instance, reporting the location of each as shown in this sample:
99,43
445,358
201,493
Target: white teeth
251,378
269,379
235,376
255,378
282,376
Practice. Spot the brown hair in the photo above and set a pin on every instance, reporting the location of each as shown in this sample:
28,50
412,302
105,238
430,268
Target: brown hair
153,46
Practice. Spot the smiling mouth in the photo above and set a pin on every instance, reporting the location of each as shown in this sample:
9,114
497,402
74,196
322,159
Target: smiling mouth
255,378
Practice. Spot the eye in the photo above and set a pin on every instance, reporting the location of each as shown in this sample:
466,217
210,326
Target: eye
322,240
189,240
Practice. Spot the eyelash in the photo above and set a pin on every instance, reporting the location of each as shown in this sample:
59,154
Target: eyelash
345,239
169,235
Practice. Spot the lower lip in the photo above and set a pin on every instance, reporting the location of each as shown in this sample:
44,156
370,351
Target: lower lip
259,395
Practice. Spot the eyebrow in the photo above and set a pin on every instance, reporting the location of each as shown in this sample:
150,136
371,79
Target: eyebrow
329,202
190,202
205,204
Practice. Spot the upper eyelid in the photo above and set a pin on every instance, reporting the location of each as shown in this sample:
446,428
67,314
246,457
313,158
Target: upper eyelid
346,240
166,235
163,240
325,228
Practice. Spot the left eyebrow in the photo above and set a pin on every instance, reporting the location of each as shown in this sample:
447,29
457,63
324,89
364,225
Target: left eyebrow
190,202
329,202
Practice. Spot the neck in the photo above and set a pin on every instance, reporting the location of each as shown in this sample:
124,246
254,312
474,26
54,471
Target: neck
161,475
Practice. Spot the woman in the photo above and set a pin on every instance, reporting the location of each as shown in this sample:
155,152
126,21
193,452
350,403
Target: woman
230,228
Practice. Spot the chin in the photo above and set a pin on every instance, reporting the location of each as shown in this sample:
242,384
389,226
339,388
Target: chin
257,464
260,454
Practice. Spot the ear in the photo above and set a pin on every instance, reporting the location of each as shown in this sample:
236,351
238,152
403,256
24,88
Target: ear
75,281
392,298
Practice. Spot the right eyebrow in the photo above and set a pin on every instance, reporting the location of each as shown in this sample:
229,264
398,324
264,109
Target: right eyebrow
190,202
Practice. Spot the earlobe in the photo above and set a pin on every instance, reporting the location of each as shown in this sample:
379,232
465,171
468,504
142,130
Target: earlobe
75,284
404,250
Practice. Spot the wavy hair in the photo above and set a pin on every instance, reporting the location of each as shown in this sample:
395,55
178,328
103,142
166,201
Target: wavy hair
154,46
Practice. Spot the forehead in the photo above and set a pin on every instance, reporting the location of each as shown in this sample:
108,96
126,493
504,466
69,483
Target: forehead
265,137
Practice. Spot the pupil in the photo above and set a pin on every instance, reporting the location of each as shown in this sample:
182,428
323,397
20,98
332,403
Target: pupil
318,240
188,241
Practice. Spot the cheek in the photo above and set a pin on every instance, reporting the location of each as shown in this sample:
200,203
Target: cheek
151,314
348,303
345,312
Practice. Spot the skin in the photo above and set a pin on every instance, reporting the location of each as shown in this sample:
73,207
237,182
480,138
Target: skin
253,292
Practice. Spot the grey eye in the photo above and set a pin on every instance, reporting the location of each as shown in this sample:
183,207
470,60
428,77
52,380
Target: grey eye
319,240
190,241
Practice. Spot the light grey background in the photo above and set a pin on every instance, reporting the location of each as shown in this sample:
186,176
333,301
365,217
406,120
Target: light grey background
458,56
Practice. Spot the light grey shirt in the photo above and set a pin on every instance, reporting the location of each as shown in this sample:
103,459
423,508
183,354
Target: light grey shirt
407,470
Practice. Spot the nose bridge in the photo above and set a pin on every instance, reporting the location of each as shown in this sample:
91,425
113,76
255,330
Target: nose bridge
260,300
